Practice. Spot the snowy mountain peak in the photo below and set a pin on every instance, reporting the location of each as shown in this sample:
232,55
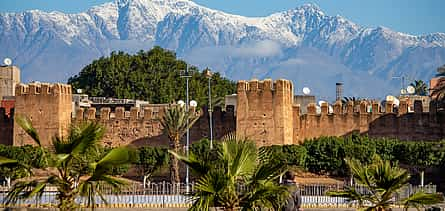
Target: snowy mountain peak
303,44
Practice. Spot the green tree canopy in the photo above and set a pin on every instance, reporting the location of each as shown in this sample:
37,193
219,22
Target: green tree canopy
152,75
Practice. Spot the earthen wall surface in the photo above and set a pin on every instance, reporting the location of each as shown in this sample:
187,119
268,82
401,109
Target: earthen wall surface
265,114
48,106
6,127
139,128
264,111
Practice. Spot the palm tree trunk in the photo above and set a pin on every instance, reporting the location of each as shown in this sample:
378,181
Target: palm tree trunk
174,166
67,200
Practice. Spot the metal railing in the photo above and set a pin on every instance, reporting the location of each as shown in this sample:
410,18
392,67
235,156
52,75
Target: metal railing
166,194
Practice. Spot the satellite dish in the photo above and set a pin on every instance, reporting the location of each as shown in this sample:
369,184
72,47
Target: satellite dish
193,103
7,61
403,91
320,103
318,109
306,91
396,102
410,89
390,98
181,103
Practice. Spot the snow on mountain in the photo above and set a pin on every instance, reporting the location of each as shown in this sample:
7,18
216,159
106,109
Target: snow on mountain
302,44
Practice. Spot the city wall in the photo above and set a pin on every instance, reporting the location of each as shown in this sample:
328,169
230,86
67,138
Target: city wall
6,127
266,114
264,111
48,106
138,128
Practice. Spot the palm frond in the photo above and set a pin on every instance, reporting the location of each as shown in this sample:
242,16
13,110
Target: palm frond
87,138
351,194
8,161
420,199
26,125
240,157
198,165
116,157
25,189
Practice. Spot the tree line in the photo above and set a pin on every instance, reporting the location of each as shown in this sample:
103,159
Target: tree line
153,75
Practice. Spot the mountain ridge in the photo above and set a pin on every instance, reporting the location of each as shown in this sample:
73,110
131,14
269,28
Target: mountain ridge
246,46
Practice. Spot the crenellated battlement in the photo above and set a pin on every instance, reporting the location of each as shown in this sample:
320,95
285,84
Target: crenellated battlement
140,126
153,112
405,121
255,85
267,114
134,114
48,106
264,110
42,89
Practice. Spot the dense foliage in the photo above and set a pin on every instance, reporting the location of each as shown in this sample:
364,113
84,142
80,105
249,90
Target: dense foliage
243,178
325,155
383,180
148,75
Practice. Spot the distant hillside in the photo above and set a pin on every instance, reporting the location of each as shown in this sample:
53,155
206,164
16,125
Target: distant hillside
301,44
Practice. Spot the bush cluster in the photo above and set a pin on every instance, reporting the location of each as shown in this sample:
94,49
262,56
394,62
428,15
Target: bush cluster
324,155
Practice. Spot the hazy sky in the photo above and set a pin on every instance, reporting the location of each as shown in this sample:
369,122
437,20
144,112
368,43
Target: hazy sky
409,16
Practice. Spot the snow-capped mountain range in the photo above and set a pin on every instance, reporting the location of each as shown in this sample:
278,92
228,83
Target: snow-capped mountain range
302,44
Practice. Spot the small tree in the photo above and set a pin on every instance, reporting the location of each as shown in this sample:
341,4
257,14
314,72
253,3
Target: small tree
150,160
382,181
420,87
240,177
76,175
175,123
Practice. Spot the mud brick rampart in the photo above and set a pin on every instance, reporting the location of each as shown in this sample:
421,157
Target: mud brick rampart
136,127
267,115
48,106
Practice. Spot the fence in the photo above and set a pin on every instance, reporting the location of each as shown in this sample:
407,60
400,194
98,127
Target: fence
174,195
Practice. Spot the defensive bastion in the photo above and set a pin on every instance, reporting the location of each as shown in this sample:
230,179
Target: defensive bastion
265,113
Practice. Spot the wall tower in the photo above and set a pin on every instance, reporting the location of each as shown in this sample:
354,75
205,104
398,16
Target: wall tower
48,106
264,111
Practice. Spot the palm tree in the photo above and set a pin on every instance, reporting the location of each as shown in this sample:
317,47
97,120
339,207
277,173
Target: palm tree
382,182
420,87
439,90
175,123
240,177
71,170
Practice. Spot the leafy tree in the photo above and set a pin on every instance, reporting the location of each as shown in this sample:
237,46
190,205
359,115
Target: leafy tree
148,75
151,159
29,156
420,87
175,123
420,155
76,175
325,156
441,71
439,92
382,181
243,178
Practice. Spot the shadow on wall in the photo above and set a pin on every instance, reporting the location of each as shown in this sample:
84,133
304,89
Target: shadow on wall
223,124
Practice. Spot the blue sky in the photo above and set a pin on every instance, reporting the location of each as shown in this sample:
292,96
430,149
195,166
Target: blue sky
409,16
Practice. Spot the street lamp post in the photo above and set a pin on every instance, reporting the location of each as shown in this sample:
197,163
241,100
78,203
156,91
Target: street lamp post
186,75
209,76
